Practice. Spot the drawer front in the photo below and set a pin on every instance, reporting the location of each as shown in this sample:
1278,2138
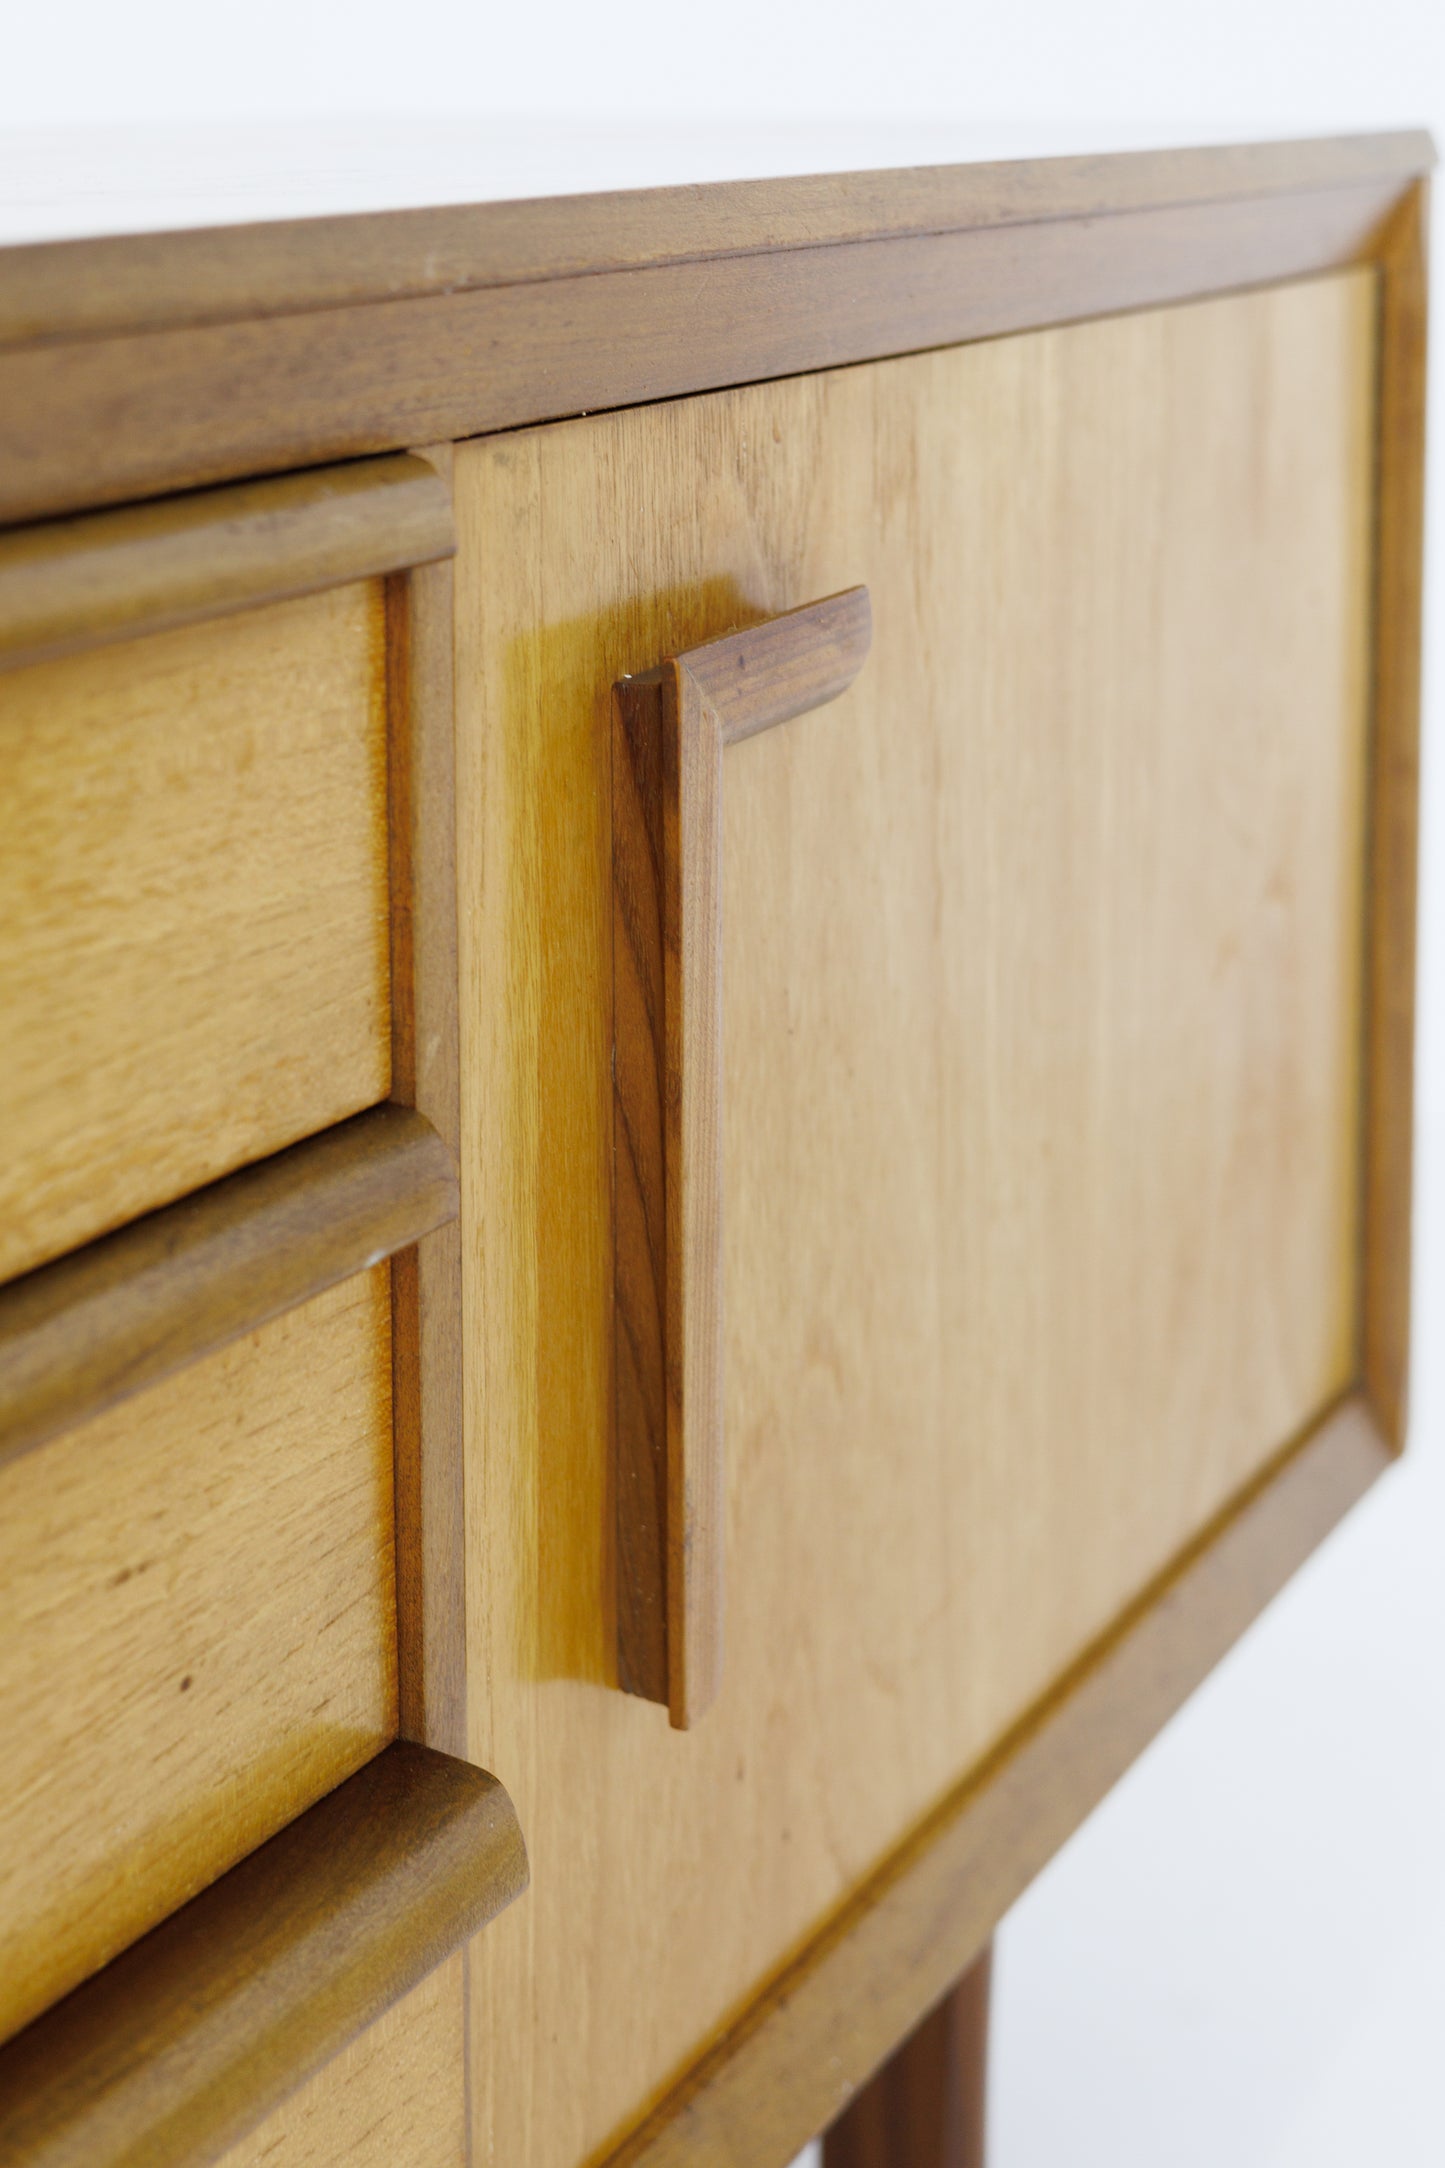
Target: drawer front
1040,1094
396,2095
194,895
199,1632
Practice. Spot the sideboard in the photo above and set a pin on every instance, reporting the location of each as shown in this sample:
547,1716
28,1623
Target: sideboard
706,959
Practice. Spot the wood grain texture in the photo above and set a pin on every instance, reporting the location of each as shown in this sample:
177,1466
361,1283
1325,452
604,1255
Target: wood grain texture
80,583
427,1280
194,894
800,2053
199,1632
101,421
1042,1016
85,288
1395,785
94,1328
668,1417
928,2105
191,2038
669,730
397,2094
784,667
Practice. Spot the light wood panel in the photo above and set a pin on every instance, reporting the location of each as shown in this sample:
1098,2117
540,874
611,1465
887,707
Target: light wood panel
1042,1010
194,896
396,2095
199,1632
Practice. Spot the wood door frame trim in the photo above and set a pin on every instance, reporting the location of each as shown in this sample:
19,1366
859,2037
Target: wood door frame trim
796,2055
1387,1111
663,298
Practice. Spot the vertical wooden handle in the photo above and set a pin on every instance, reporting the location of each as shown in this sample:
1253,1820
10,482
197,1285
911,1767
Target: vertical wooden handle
669,729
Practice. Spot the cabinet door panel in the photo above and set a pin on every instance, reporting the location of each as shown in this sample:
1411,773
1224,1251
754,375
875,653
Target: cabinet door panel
1042,1005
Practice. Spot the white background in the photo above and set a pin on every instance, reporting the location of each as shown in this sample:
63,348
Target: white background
1241,1958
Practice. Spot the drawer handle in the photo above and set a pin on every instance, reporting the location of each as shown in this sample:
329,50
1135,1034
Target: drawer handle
196,2032
81,1334
669,728
78,583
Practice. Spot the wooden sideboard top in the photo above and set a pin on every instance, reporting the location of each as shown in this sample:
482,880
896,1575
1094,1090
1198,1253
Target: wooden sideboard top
133,365
212,268
81,183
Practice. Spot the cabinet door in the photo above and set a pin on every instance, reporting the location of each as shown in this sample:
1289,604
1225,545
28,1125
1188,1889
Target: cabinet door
1040,1096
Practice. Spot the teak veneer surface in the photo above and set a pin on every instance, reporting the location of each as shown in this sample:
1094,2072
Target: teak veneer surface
193,890
199,1632
396,2095
1042,1014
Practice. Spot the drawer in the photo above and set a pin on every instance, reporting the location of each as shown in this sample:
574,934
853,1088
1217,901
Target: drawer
397,2094
237,1839
774,1193
1039,1083
200,1631
194,895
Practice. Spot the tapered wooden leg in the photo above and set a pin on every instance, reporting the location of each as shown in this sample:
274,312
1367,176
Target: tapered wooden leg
925,2107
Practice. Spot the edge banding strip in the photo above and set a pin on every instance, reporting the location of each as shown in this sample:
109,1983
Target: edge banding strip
105,576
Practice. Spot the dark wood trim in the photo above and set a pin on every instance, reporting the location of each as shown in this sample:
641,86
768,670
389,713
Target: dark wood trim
88,1331
927,2107
95,288
82,582
669,728
192,2036
102,420
796,2056
786,666
1394,794
426,1074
